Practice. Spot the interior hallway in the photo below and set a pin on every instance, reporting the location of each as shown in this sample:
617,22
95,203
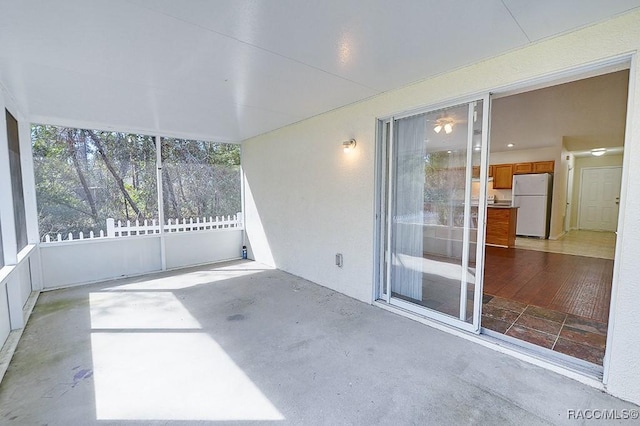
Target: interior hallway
242,342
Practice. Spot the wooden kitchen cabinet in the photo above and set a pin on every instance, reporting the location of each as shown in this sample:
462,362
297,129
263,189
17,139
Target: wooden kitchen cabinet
501,226
522,168
502,176
543,166
475,172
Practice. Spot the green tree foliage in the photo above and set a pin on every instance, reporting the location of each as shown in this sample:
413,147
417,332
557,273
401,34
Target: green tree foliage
200,179
85,176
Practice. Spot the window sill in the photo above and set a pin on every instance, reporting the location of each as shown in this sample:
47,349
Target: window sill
5,271
26,252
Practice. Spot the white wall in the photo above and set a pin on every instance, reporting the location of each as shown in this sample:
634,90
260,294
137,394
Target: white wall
559,202
15,288
24,280
571,181
18,287
80,262
71,263
563,179
524,155
307,200
314,201
194,248
5,321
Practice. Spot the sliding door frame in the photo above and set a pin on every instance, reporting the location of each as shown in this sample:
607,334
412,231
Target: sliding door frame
384,199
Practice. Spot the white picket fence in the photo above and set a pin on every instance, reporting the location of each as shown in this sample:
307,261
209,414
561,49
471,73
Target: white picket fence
128,229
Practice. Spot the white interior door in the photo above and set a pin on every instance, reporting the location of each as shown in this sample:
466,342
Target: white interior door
599,198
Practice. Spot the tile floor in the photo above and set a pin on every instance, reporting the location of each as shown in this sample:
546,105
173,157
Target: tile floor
566,283
565,333
569,334
577,242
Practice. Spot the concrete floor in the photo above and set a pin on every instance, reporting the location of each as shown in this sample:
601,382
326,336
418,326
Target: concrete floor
241,343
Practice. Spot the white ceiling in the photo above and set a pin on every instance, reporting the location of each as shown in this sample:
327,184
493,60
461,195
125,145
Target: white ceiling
230,69
581,115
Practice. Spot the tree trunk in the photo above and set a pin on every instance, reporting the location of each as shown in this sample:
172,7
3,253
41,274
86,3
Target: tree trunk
72,153
115,175
172,196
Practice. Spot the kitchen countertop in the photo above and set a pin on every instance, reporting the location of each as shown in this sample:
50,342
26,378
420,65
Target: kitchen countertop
501,206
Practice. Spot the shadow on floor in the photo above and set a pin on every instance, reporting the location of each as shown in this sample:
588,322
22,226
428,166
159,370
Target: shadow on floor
240,342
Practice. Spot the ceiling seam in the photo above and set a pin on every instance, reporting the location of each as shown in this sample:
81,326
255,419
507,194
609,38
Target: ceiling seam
202,27
516,21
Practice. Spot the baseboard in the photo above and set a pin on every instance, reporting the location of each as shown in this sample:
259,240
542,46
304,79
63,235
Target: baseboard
557,237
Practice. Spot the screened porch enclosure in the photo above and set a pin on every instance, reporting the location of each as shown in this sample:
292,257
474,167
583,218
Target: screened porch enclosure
114,116
114,204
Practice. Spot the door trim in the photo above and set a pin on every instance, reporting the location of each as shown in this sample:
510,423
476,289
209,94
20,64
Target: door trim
606,362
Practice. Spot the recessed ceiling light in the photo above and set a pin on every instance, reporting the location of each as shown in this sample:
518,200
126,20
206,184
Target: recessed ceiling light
510,145
598,152
477,148
448,152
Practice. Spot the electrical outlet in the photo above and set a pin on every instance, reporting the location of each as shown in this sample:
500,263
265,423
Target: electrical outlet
339,260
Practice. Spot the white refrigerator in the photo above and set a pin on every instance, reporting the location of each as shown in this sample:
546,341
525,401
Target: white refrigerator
532,194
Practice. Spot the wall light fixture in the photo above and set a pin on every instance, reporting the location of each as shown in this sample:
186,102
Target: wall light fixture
349,145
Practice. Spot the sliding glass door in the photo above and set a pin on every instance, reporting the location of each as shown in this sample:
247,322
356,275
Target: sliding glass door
435,175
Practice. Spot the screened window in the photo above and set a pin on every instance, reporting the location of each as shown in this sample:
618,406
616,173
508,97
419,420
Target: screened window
200,179
85,176
16,181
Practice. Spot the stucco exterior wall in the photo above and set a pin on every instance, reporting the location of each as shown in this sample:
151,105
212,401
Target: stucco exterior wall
307,200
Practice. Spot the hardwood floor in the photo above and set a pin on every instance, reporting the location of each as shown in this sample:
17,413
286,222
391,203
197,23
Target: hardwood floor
556,301
574,285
